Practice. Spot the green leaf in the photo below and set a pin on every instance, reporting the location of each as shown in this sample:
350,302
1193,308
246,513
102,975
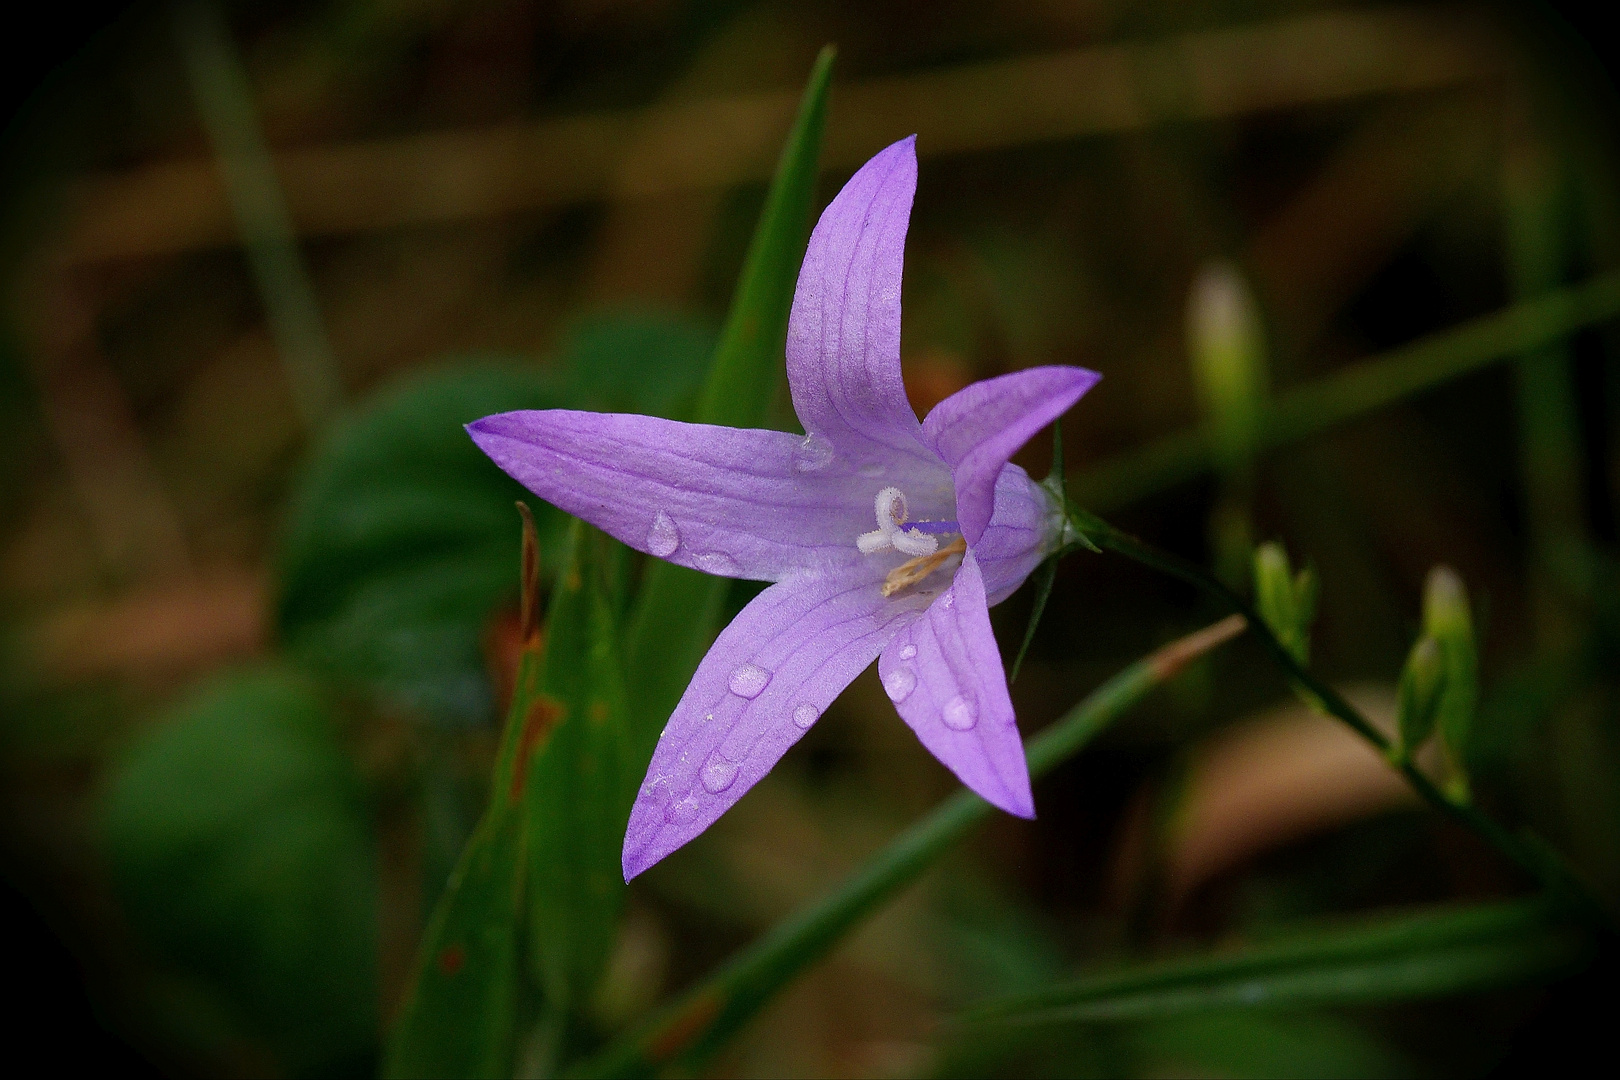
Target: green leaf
1261,1045
1430,954
677,609
240,848
460,1013
399,544
580,783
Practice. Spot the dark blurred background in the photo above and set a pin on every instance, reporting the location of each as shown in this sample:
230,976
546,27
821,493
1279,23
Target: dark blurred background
500,203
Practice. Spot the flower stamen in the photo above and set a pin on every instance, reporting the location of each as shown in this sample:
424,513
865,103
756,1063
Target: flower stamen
913,571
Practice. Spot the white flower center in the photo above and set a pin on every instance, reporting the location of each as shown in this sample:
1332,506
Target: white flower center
890,507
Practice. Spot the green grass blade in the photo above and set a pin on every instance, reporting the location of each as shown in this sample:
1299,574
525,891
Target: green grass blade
576,790
225,99
458,1019
687,1031
675,614
748,361
1361,388
1411,956
459,1014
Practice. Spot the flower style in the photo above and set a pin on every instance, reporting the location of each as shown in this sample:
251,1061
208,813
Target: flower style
958,529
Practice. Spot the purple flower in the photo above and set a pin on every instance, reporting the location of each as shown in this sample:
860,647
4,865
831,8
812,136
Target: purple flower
884,538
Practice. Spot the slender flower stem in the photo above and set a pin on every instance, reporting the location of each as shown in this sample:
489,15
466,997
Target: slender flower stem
1524,849
694,1025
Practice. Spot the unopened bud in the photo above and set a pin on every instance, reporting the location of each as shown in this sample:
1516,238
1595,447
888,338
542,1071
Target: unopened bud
1421,683
1448,620
1229,363
1285,600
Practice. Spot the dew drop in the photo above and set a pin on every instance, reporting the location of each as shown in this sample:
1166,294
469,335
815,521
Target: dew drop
716,562
960,713
749,680
663,538
718,774
812,454
872,468
948,601
805,715
682,812
655,790
907,652
899,684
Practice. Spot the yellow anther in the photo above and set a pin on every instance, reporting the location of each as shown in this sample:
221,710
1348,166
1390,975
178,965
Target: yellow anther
914,570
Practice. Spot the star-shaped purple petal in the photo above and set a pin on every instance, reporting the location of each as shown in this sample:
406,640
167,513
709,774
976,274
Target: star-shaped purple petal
885,538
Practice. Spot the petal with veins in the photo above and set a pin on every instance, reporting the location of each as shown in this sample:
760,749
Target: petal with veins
943,672
979,427
767,677
843,343
723,500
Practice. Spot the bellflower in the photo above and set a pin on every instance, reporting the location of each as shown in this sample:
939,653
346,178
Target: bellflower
884,538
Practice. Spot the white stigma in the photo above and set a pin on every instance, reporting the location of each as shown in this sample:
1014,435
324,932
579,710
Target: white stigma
890,507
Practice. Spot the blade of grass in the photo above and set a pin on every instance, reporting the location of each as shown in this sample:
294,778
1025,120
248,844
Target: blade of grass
1361,388
1430,954
577,785
677,608
684,1033
460,1012
225,99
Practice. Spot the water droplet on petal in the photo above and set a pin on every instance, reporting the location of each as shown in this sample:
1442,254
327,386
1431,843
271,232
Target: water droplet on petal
907,652
960,713
812,454
718,774
682,812
655,790
716,562
805,715
948,601
749,680
663,538
872,468
899,684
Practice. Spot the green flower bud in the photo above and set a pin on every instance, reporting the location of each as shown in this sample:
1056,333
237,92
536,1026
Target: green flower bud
1448,620
1229,362
1285,600
1421,683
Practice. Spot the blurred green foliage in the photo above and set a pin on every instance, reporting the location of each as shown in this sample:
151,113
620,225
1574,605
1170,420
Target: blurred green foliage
239,841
